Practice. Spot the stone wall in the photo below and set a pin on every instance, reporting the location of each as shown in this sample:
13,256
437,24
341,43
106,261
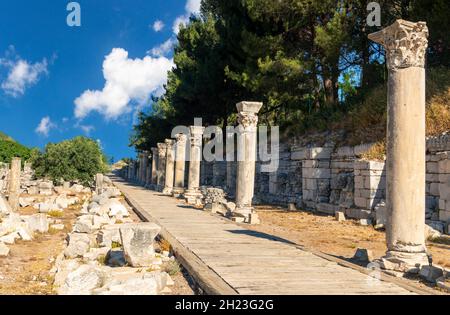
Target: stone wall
327,180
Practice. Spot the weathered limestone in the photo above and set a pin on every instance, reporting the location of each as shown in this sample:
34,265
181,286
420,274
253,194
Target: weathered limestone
14,184
137,241
247,145
405,43
154,176
180,164
170,167
193,191
162,151
99,183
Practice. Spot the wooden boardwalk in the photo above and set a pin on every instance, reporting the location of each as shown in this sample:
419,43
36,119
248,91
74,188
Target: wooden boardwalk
225,258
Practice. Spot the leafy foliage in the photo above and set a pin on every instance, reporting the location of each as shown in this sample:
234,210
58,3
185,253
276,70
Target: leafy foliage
10,148
78,159
310,62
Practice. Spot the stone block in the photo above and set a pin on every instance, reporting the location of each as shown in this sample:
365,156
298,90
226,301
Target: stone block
137,241
327,208
4,250
434,189
432,167
431,273
301,154
319,153
340,216
363,255
444,216
358,213
444,167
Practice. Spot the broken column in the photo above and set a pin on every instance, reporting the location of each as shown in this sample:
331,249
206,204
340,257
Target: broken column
193,191
180,164
170,167
405,44
162,151
246,159
99,183
14,184
154,176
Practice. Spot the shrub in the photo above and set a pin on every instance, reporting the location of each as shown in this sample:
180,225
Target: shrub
78,159
10,148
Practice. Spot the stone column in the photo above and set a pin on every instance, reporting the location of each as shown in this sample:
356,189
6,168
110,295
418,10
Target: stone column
170,167
14,183
144,168
180,164
154,179
405,44
246,159
162,151
99,183
148,171
193,191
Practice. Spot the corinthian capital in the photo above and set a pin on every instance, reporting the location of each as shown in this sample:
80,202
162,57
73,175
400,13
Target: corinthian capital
162,149
405,43
247,113
181,138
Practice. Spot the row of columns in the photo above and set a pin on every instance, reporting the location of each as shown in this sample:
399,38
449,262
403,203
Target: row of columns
168,166
405,44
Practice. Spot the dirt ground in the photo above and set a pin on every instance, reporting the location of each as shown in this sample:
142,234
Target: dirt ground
339,239
26,270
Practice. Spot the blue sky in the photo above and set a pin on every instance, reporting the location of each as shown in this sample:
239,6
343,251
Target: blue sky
57,82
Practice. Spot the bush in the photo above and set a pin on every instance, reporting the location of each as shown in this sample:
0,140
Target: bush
9,149
78,159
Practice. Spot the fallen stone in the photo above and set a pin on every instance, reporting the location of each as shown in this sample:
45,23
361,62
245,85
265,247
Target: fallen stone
38,223
292,207
26,201
108,235
115,208
79,244
5,208
4,250
431,233
137,241
82,281
46,188
340,216
77,188
365,222
96,253
135,284
431,273
10,238
363,255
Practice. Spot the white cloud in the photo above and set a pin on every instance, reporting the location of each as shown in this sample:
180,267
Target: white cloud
22,74
164,48
158,26
128,82
45,126
192,7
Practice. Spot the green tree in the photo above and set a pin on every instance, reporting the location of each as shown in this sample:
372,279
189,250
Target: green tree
78,159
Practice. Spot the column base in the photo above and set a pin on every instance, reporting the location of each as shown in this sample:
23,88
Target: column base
245,215
178,192
192,196
403,262
167,191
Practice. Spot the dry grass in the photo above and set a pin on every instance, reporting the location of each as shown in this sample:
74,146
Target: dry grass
164,245
376,153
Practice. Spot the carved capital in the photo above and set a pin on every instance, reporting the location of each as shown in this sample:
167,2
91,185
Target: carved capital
247,120
181,139
169,144
162,149
405,42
